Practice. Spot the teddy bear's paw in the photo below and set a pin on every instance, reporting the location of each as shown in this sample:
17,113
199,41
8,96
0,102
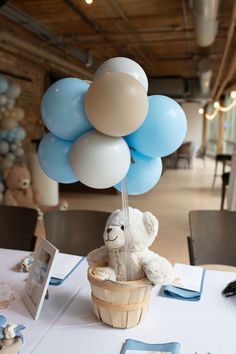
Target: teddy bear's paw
105,273
40,214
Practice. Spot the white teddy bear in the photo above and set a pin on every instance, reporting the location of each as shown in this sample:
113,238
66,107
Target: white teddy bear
127,253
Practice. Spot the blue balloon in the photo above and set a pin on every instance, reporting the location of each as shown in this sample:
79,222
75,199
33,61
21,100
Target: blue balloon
143,174
3,84
62,108
53,154
162,131
3,134
19,133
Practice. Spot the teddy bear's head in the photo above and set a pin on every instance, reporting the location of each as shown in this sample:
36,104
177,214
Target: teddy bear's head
143,228
18,177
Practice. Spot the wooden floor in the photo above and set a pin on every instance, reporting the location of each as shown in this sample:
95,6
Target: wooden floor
178,192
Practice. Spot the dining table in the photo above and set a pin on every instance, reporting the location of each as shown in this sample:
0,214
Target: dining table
68,325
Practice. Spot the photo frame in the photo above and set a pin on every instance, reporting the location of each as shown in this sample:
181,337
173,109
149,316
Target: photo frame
37,282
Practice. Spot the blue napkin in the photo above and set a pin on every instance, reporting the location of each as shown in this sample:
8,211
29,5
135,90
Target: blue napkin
174,292
131,344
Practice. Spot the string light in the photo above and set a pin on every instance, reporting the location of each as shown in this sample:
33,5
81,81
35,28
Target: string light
219,108
89,2
201,111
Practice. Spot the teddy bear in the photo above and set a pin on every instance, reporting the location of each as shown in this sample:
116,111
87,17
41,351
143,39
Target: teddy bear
126,251
19,191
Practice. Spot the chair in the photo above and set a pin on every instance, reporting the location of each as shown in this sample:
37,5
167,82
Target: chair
224,158
201,154
225,181
75,231
186,152
17,227
212,237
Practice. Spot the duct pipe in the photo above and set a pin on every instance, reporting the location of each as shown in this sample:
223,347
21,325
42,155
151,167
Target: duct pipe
205,74
44,54
205,19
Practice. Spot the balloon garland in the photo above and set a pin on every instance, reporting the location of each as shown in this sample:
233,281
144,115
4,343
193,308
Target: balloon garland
11,133
109,130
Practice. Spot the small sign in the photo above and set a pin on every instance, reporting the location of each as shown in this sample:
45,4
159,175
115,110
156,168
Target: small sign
37,283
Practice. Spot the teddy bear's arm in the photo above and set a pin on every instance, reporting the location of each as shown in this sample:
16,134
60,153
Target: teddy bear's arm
157,269
9,198
98,255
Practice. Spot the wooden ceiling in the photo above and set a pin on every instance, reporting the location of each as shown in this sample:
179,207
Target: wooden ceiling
158,34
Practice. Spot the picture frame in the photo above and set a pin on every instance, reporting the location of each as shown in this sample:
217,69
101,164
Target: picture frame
37,282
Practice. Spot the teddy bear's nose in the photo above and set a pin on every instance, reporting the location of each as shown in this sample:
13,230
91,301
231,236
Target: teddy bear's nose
109,230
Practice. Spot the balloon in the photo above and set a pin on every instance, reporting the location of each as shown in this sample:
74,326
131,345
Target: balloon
10,103
13,90
20,133
143,175
10,156
62,108
3,99
163,130
1,197
19,152
8,123
3,134
116,104
17,113
53,154
100,161
4,147
13,147
3,84
124,65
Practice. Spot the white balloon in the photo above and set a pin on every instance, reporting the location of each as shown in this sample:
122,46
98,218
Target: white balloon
4,147
10,103
100,161
19,152
10,156
13,90
124,65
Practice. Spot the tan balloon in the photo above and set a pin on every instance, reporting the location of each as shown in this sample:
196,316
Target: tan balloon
116,104
8,123
17,113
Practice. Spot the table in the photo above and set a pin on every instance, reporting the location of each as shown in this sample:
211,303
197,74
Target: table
68,325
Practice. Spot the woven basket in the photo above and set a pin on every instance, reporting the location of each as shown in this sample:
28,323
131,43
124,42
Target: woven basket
120,304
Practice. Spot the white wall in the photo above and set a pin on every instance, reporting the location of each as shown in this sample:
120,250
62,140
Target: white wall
194,132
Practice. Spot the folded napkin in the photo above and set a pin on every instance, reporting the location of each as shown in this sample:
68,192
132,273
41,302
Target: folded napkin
177,293
130,344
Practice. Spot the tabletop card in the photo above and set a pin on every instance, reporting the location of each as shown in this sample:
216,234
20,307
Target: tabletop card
37,282
188,277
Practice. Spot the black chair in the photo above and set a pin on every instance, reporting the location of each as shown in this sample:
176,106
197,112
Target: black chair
224,158
212,237
225,181
75,231
186,153
17,227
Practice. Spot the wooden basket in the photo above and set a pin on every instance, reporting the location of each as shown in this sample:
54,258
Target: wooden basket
120,304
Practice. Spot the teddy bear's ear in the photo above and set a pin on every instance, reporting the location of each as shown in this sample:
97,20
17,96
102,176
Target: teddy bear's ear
6,173
150,222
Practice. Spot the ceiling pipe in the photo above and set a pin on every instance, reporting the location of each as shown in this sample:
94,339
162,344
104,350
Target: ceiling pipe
31,48
205,18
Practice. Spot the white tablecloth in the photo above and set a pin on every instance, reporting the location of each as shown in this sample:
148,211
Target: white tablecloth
202,327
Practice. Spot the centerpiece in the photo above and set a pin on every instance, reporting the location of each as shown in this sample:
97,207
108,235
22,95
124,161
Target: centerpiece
111,134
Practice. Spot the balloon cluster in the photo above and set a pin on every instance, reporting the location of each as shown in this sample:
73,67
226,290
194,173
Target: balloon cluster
109,130
11,133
